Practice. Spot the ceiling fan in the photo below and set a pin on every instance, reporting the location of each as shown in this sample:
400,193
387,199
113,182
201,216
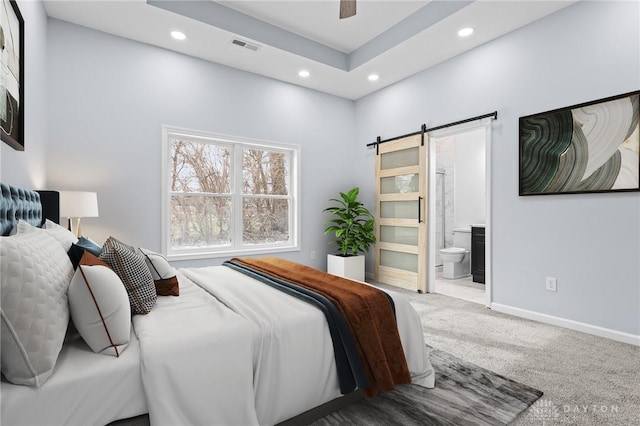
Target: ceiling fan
347,8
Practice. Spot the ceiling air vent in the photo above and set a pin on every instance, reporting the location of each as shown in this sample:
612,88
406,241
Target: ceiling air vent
245,44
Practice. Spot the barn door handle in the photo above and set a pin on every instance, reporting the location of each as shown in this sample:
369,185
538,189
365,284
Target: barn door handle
419,209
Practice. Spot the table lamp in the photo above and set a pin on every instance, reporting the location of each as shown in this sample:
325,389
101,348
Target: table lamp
76,205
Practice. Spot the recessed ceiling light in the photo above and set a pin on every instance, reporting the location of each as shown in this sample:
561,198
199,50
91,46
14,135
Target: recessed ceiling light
465,32
178,35
304,73
373,77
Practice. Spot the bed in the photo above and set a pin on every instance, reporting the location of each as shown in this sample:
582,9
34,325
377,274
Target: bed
228,350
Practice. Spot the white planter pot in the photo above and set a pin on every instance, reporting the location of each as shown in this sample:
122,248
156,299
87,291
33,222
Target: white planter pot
351,267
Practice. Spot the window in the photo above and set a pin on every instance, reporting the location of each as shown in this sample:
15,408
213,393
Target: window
227,196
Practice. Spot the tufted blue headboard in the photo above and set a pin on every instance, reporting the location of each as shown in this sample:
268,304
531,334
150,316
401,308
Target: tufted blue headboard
16,204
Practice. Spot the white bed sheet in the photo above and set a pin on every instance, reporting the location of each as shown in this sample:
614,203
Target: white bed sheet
294,366
196,361
85,388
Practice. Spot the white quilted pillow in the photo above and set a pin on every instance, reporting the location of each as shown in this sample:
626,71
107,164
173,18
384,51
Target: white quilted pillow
34,276
61,234
100,306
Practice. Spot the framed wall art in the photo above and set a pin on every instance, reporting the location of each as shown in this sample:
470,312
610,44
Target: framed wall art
12,75
590,147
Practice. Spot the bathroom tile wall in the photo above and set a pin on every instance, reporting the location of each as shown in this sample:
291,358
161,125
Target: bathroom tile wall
439,215
445,160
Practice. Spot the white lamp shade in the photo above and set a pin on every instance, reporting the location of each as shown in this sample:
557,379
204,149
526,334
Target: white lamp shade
78,204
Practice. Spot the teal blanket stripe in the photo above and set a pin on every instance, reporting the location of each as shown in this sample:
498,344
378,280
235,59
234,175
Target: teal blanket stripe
351,375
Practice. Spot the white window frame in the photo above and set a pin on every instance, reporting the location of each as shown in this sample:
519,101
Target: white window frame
237,247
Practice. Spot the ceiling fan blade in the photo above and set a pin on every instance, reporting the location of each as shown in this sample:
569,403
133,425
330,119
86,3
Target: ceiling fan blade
347,8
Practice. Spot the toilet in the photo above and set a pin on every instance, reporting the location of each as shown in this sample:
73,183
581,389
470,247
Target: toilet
456,260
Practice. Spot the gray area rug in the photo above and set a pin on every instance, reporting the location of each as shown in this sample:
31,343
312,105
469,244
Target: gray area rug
465,394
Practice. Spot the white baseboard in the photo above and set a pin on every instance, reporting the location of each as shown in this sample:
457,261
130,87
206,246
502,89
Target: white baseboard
619,336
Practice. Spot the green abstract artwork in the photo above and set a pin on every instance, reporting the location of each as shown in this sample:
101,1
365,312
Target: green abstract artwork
591,147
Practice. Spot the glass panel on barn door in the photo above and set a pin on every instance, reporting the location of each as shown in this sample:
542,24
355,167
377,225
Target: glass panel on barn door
407,235
399,260
400,158
400,184
399,209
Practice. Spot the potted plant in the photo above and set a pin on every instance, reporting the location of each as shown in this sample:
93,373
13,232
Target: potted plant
354,229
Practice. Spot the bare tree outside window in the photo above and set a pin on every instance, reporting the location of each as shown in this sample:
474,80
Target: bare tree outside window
214,206
201,201
265,216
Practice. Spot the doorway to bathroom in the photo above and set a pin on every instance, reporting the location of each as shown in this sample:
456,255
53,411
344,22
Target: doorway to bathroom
459,201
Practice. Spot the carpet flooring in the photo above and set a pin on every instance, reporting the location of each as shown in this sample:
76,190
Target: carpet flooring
587,380
465,394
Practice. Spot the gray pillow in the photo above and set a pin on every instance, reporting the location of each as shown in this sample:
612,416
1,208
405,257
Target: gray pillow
34,276
132,270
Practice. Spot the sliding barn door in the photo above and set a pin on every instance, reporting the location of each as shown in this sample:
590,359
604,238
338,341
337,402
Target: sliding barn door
401,213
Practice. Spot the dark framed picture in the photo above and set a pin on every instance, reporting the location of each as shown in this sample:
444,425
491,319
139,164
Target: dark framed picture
590,147
12,75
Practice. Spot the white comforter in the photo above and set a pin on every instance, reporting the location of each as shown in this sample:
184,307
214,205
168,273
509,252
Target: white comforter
197,361
292,361
85,388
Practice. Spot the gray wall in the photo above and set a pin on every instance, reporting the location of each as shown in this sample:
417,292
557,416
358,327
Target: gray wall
110,96
27,168
95,104
591,243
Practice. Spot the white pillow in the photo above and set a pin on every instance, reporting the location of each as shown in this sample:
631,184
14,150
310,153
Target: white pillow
164,276
100,306
158,265
61,234
34,277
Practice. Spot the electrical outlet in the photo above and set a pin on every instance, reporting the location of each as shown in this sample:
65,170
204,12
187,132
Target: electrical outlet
313,255
551,284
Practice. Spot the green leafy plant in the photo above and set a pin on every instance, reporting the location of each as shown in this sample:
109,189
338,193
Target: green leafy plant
353,225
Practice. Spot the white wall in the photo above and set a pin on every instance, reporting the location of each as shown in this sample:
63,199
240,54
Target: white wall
110,96
469,179
26,168
590,242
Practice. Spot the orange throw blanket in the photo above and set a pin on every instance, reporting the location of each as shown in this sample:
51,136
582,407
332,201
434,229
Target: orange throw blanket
366,309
